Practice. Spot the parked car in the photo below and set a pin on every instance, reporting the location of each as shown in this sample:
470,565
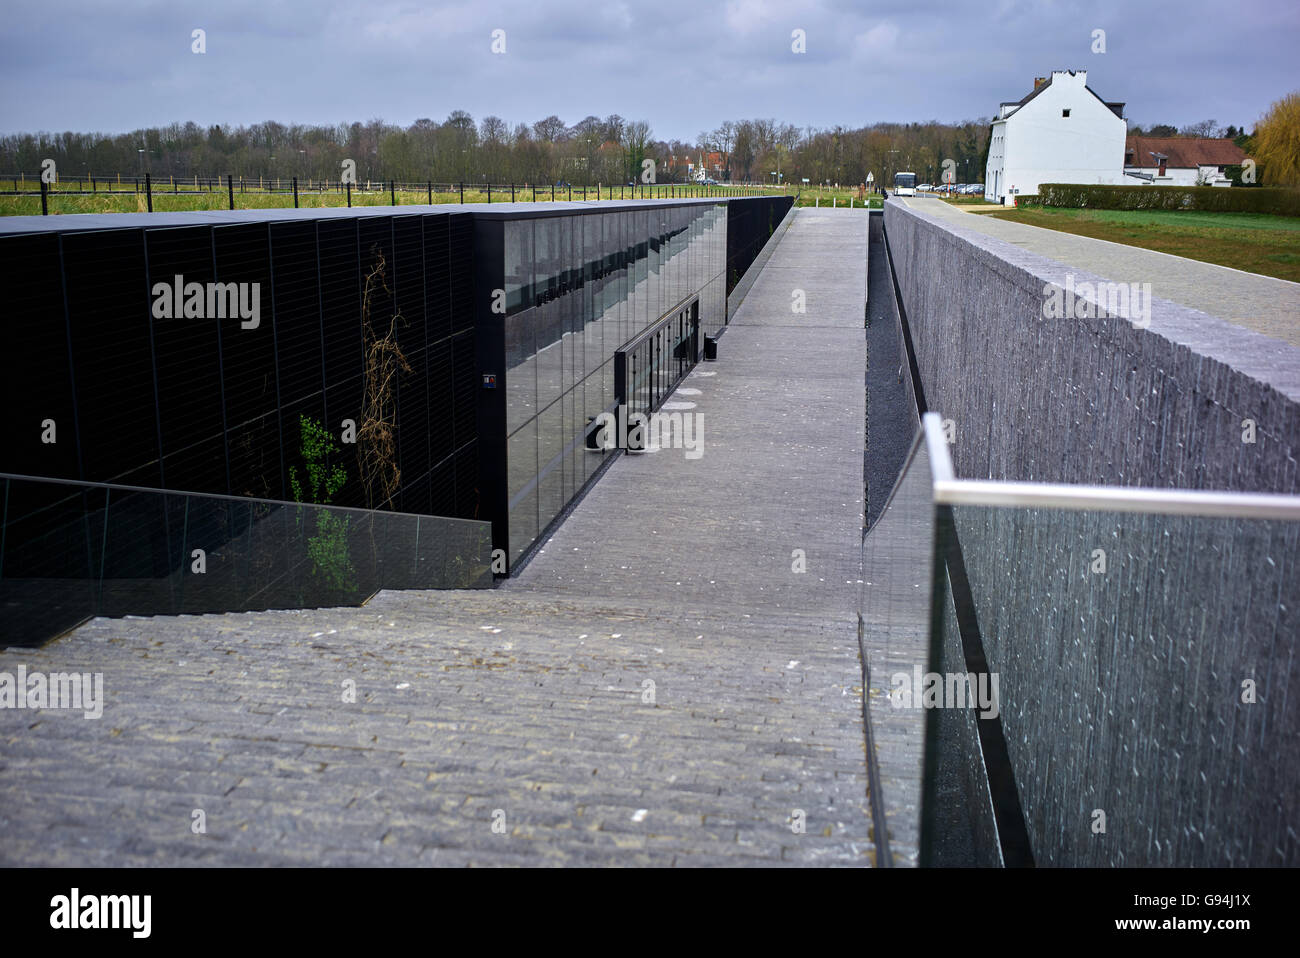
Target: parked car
924,188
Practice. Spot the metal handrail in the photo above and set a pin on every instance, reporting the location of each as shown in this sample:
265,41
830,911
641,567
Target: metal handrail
949,490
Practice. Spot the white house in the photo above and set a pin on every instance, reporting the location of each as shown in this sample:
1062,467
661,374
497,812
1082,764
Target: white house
1062,132
1180,160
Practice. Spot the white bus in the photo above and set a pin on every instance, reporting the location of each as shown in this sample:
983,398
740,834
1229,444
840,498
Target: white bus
904,184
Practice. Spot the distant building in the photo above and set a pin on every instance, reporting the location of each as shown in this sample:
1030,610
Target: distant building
1180,161
1062,132
708,167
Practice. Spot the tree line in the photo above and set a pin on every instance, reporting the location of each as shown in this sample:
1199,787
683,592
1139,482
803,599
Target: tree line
460,149
594,150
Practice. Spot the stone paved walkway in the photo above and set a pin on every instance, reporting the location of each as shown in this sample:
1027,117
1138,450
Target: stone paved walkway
1262,303
658,687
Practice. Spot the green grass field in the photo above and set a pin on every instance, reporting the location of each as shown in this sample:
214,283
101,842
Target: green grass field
188,199
1253,242
836,198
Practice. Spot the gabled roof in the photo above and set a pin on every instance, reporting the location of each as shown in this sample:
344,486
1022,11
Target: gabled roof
1116,108
1183,152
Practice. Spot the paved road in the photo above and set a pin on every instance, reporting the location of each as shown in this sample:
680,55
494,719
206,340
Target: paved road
658,687
1262,303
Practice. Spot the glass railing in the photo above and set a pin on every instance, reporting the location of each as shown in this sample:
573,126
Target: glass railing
1146,681
1108,675
894,606
71,550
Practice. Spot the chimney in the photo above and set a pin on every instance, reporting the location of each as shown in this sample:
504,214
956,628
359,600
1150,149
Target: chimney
1039,81
1163,161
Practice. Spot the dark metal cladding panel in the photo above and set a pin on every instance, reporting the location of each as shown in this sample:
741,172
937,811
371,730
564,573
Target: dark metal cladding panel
243,256
187,357
437,276
34,364
109,306
410,328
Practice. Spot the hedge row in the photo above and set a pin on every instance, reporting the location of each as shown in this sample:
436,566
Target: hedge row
1215,199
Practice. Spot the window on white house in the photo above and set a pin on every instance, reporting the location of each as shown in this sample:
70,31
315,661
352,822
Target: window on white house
1065,113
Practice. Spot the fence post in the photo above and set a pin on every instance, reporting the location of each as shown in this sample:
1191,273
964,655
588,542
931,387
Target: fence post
295,192
570,185
392,191
512,191
148,191
349,186
431,192
230,187
45,190
552,192
489,189
462,191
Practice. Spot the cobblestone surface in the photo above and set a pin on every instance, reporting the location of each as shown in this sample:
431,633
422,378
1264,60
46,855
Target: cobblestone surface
659,687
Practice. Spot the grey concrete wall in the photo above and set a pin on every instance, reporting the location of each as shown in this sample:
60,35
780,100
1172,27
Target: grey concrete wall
1121,688
1094,400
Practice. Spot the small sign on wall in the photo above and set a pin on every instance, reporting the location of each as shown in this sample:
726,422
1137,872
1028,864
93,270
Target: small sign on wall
489,380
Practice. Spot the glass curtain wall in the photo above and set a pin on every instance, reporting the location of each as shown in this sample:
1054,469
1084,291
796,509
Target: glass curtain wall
577,287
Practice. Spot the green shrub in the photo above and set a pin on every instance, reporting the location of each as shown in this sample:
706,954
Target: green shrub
328,549
1212,199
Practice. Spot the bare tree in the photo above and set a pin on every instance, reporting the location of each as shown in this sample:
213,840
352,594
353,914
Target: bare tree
551,130
1206,129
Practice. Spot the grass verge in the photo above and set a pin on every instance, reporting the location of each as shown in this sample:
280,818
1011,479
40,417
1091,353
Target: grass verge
1253,242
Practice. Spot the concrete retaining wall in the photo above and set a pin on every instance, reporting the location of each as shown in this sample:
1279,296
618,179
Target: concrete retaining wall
1087,400
1131,734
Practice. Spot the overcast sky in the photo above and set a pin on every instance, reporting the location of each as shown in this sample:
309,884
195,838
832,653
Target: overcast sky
682,66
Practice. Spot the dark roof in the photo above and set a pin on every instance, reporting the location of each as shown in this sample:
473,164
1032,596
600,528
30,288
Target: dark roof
80,222
1183,152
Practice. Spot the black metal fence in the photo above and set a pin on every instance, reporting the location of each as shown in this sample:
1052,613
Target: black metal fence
19,184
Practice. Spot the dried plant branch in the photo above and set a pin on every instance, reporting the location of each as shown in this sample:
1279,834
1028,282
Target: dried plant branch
381,476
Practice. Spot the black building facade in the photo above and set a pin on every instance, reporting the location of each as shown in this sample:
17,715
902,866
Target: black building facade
439,361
